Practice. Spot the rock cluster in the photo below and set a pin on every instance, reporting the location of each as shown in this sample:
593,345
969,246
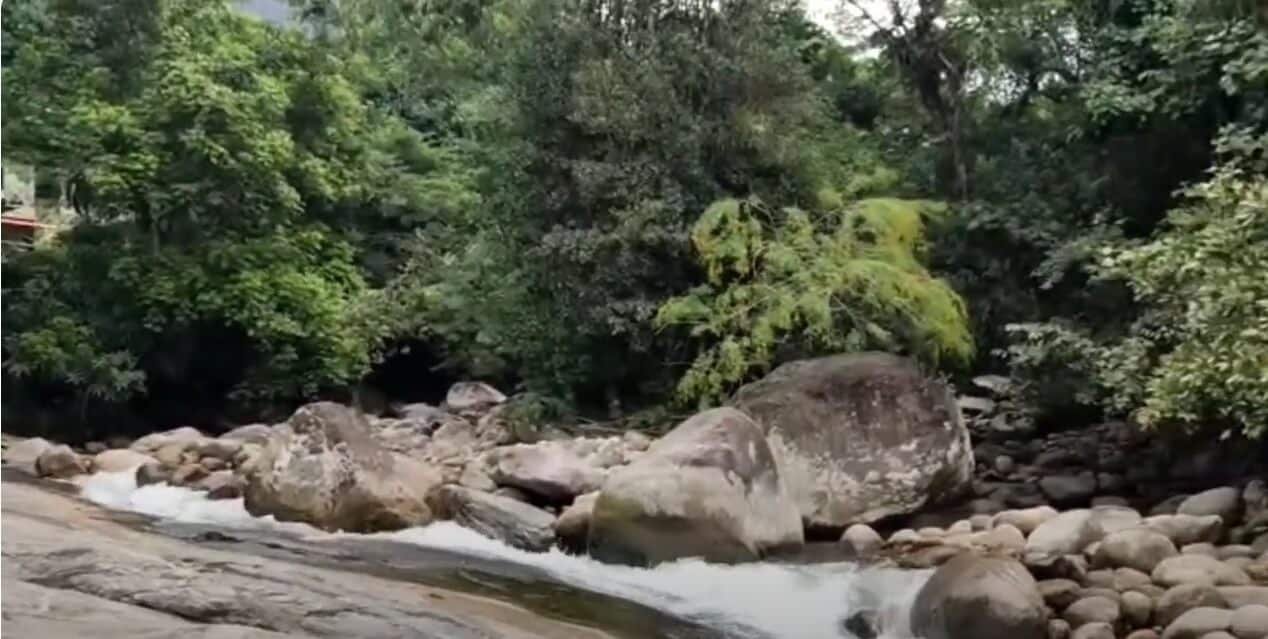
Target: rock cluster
1106,463
1105,571
1100,532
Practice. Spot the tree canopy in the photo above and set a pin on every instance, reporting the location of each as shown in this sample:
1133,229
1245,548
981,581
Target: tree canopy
619,204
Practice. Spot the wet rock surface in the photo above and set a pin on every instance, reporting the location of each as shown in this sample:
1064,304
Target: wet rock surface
71,570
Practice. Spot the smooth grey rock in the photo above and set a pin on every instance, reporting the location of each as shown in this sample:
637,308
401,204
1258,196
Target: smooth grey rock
1226,502
1004,464
1066,534
1198,622
1069,489
1059,593
1187,529
1250,622
546,469
973,597
710,488
60,462
1026,520
252,433
222,484
1137,608
1137,548
1180,599
969,404
1199,569
860,540
1090,610
472,396
572,528
154,441
1238,596
120,460
1130,579
1107,520
1235,550
22,455
1058,629
514,523
1094,630
1200,548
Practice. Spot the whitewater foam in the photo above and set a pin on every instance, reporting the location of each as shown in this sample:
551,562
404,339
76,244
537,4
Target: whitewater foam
781,600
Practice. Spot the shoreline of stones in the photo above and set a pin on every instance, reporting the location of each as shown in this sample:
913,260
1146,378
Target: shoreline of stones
1096,573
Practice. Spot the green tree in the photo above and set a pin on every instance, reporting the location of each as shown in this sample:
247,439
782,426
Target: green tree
231,195
625,119
790,284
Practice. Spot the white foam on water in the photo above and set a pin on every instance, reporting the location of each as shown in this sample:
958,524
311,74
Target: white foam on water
780,600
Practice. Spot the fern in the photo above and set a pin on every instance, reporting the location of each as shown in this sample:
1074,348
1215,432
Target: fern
789,281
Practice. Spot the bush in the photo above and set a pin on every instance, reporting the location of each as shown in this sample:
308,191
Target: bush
1204,280
1197,354
101,314
785,284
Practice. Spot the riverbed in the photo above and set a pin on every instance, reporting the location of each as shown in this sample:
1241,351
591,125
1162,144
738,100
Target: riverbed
684,599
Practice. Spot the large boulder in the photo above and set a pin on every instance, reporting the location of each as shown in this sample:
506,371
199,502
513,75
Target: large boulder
186,435
22,455
710,488
328,471
546,469
472,396
60,462
972,597
119,460
251,433
861,437
572,528
513,522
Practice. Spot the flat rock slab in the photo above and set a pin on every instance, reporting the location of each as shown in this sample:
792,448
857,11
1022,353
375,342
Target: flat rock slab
70,571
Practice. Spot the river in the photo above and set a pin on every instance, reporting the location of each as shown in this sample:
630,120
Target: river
687,599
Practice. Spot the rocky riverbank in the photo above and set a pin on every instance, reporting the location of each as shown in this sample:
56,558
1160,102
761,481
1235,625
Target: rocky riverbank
1071,533
71,570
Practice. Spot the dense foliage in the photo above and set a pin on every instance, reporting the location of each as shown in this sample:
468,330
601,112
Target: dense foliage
221,188
783,285
610,203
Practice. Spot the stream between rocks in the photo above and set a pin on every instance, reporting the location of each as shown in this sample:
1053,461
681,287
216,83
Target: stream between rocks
685,599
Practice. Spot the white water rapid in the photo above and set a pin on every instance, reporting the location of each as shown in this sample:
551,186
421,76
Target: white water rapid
782,600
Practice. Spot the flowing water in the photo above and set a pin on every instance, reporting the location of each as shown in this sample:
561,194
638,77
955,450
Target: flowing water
688,598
